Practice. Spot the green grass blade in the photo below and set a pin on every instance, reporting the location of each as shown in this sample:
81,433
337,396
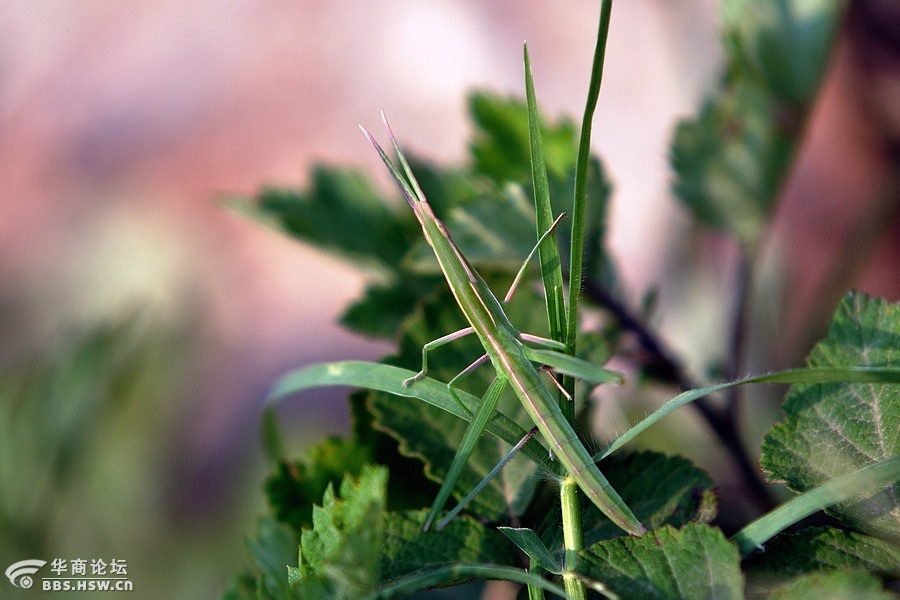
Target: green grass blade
579,203
574,367
473,433
387,378
839,489
551,266
437,577
809,375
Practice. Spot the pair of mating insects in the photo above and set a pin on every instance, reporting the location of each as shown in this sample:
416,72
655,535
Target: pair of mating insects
513,360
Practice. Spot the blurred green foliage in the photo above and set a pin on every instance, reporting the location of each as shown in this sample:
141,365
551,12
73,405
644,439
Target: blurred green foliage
88,467
731,159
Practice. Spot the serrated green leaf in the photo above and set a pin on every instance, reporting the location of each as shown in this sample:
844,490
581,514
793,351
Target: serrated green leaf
385,306
296,486
819,549
494,234
411,491
694,562
273,549
425,431
428,434
341,555
338,204
464,540
498,468
833,586
500,148
660,490
731,159
785,43
834,429
464,450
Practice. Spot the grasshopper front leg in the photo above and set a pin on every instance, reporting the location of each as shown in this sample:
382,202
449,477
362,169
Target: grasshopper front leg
432,345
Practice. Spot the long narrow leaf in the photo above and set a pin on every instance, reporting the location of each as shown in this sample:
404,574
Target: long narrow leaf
804,375
551,267
573,366
437,577
576,258
869,478
387,378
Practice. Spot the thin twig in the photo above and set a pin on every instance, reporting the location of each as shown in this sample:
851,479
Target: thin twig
738,344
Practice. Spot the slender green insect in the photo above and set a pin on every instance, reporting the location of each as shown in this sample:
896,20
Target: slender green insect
511,358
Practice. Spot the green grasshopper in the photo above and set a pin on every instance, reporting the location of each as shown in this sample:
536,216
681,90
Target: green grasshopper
510,357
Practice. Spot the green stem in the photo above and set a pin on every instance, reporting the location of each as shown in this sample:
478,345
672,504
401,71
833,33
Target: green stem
573,537
579,203
534,592
573,534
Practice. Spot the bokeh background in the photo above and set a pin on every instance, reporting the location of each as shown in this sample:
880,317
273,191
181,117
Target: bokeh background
141,322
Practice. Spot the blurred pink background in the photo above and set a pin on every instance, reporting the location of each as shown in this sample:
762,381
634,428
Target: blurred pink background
123,124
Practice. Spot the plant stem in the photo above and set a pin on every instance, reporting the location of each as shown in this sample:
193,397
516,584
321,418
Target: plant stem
573,537
579,202
534,592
